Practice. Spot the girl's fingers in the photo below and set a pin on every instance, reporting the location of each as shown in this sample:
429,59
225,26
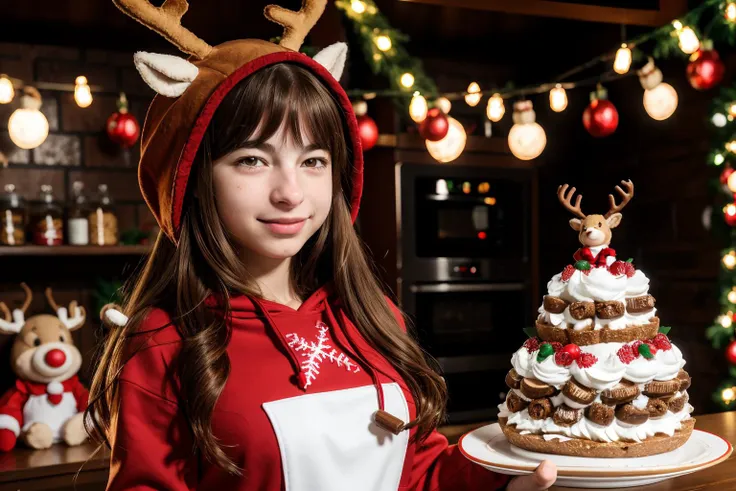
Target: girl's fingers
544,476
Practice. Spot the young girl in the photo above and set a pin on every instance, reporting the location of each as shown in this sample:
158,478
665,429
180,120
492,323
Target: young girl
259,351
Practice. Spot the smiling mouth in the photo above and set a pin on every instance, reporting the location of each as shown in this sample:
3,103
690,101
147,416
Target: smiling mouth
284,226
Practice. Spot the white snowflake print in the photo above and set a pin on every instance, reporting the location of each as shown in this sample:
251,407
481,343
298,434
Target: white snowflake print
315,352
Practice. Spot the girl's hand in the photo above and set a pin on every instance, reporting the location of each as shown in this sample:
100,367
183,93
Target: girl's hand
544,476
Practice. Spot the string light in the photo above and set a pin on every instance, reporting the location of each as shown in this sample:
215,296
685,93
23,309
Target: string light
558,98
451,146
357,6
418,108
729,260
6,89
472,98
622,63
719,120
383,42
731,146
660,102
718,159
729,395
731,183
27,126
407,80
82,93
732,295
730,12
527,138
725,321
688,40
495,109
444,104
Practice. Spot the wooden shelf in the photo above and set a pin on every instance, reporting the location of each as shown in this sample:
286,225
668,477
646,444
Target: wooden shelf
68,250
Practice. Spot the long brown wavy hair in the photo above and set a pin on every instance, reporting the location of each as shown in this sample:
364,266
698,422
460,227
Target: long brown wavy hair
178,278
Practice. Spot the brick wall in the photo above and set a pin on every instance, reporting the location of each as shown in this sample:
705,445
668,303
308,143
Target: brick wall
77,147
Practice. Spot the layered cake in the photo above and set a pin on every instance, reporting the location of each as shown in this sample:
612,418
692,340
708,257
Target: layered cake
598,377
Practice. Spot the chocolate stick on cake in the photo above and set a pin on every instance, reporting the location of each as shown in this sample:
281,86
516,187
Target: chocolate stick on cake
600,370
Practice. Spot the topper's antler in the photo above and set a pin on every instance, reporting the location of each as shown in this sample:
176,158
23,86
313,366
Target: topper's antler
12,324
626,195
78,314
567,199
296,24
166,20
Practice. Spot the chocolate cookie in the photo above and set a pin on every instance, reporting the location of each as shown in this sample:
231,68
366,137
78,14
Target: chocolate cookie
685,380
623,392
677,403
609,310
515,403
554,305
567,416
628,413
513,379
540,408
582,310
535,389
639,305
659,388
601,414
577,392
656,407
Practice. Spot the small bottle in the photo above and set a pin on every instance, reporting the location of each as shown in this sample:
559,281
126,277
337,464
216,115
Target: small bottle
78,221
47,226
13,218
103,223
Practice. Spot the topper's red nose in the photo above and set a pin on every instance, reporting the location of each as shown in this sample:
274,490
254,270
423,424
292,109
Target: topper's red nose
55,358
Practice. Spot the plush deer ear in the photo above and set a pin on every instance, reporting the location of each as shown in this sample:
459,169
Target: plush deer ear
576,223
166,74
614,220
333,57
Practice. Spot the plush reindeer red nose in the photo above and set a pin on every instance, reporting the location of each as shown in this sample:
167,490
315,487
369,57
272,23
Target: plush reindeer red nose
55,358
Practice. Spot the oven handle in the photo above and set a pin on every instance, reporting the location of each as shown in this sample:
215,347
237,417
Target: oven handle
467,287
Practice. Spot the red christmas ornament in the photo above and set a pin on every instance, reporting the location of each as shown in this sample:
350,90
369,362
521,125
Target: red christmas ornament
435,126
731,353
122,127
573,350
705,69
367,128
600,118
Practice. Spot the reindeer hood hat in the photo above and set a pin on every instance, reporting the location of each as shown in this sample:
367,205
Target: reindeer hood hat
189,92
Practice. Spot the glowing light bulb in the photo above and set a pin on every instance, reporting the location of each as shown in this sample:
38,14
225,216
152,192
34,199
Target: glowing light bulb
558,99
725,321
472,98
719,159
731,146
719,120
729,260
418,108
730,12
444,104
527,138
687,39
27,126
622,63
732,296
495,109
7,92
82,92
407,80
451,146
731,183
383,42
660,102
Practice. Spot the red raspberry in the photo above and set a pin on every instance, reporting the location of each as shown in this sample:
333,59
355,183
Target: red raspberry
635,347
652,348
618,268
586,272
563,358
630,269
567,272
557,346
586,360
662,342
573,349
531,344
626,354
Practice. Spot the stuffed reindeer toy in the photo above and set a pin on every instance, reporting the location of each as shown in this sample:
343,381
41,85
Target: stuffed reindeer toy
47,403
595,231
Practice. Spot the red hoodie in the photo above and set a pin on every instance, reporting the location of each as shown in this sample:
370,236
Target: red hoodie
295,414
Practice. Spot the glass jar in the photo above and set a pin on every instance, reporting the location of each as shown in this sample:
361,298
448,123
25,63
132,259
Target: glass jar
47,222
103,222
12,218
78,216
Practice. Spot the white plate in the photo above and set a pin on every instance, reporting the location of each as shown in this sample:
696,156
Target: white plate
488,447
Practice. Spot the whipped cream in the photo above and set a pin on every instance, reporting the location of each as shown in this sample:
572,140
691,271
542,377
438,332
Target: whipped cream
550,372
522,361
605,374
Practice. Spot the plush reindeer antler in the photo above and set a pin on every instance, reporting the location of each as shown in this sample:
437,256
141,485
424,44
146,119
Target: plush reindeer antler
166,20
78,313
567,199
12,324
296,24
626,195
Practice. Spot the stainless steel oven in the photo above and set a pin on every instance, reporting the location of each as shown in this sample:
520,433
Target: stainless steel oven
464,274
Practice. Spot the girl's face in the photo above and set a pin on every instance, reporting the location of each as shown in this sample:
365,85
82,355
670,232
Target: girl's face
272,197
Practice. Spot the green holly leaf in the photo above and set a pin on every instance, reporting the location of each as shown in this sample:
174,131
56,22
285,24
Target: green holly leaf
645,351
545,350
664,329
531,332
630,260
582,265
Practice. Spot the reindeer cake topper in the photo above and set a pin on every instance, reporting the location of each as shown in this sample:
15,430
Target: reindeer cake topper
595,231
190,90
